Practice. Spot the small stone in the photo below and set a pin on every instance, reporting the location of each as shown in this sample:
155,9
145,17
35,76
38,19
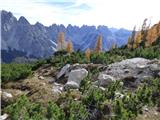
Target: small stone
41,77
7,95
145,108
57,88
119,95
102,88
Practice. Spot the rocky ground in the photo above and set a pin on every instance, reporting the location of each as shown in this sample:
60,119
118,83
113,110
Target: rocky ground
48,82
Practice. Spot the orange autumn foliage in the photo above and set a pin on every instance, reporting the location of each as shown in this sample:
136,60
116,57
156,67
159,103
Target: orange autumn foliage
69,47
60,41
88,54
152,34
98,47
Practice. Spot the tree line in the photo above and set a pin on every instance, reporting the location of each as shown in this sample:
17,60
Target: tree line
145,36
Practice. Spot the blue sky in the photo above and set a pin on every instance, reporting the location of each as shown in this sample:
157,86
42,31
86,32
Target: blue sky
112,13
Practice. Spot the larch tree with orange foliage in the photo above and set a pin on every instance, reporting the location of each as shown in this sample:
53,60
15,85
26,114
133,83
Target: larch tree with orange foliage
60,41
88,55
152,35
69,47
138,39
98,47
158,29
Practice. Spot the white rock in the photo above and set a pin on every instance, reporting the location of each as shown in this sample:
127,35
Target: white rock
4,116
57,84
102,88
119,95
145,108
105,79
41,77
63,71
76,64
135,61
142,66
7,95
57,88
71,85
75,78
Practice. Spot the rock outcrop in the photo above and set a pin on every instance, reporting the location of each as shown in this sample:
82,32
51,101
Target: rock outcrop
75,78
104,79
63,71
131,71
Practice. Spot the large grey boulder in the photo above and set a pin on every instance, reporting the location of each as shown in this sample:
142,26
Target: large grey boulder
131,71
75,78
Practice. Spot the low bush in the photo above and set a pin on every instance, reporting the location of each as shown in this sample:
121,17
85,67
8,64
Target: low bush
15,71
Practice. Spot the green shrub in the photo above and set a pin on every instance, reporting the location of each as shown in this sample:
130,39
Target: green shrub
15,71
14,110
77,111
54,112
39,63
93,97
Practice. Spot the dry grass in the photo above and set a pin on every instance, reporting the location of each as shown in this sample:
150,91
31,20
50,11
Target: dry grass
36,89
152,114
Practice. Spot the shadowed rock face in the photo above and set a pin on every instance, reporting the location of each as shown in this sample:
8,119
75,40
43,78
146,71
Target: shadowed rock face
40,41
22,36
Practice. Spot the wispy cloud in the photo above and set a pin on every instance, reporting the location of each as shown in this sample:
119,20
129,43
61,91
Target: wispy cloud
56,3
116,13
82,6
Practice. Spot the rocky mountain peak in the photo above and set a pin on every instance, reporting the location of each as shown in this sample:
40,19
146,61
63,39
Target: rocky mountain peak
37,39
23,20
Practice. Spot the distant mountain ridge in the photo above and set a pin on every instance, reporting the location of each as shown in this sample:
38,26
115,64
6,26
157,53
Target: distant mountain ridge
40,41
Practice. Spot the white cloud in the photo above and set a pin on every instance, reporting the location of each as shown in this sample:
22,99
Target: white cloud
113,13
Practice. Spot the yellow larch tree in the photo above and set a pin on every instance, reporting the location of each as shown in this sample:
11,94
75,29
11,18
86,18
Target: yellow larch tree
98,47
158,29
60,41
138,39
152,35
88,54
69,47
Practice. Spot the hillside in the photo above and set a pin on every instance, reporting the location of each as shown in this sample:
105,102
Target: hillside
38,41
119,84
81,78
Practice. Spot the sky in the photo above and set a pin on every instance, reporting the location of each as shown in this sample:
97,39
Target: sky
112,13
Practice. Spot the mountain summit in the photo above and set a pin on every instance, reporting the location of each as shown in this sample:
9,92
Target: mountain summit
40,41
